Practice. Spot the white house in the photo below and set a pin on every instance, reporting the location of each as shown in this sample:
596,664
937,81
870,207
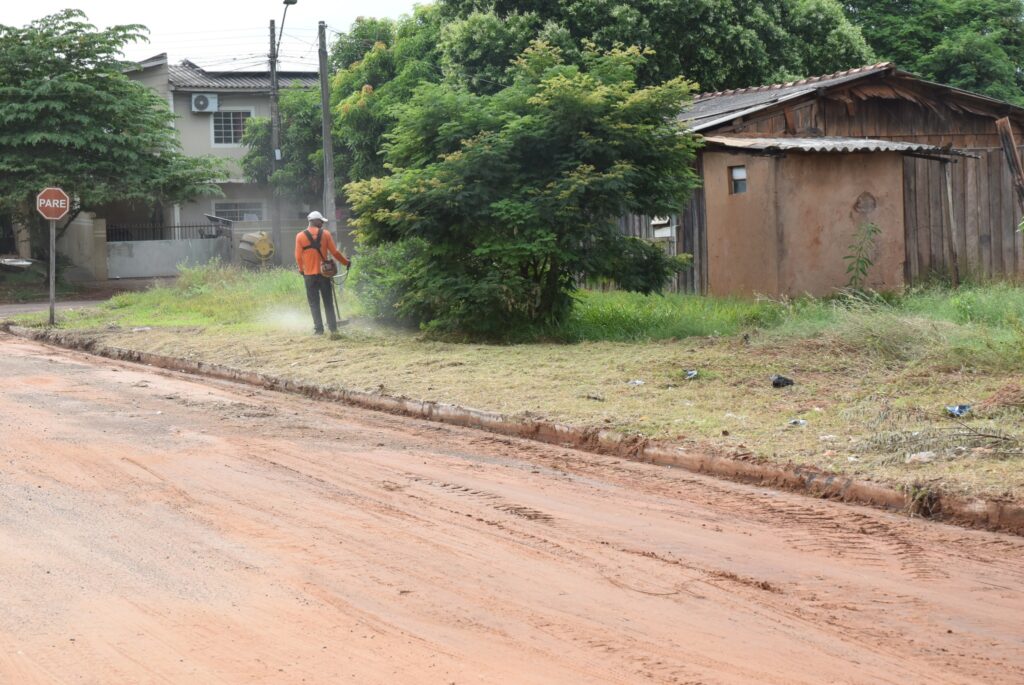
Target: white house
211,108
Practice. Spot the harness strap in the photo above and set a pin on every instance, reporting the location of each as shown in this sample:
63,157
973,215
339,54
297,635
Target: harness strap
314,243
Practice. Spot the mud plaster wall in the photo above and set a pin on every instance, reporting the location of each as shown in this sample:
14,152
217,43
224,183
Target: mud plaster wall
827,197
788,234
741,228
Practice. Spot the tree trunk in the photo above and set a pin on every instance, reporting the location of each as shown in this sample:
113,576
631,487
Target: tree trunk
23,241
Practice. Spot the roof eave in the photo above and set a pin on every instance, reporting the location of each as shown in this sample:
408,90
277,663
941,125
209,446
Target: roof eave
1006,107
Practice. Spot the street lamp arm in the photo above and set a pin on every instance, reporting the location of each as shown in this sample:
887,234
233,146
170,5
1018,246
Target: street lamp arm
280,34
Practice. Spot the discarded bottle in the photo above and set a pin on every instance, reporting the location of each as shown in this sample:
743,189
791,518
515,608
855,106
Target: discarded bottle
781,381
798,422
958,410
691,374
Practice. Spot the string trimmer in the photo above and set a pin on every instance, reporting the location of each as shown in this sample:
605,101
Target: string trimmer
338,284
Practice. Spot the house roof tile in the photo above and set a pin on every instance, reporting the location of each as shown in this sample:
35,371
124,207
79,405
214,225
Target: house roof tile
712,109
188,76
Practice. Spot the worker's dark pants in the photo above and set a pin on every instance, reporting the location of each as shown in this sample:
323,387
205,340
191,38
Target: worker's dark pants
317,287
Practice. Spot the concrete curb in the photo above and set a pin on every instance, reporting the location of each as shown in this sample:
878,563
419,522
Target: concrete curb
988,514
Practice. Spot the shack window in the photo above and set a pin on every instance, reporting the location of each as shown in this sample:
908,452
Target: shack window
737,179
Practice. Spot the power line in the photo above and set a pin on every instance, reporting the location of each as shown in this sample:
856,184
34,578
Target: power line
256,31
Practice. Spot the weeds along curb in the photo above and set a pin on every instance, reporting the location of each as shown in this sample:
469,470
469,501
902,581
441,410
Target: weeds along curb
989,514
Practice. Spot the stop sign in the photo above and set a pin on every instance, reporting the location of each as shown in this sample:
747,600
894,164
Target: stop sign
53,203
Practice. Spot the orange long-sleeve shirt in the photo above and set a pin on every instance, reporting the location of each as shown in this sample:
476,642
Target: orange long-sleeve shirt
309,260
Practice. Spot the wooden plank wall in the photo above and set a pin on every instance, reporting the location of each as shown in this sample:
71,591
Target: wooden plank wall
689,239
639,226
986,211
876,118
693,240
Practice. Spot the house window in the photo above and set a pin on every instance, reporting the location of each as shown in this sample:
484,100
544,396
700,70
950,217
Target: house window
737,179
228,127
239,211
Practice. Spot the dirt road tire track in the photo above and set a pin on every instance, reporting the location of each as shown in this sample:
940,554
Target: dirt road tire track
159,529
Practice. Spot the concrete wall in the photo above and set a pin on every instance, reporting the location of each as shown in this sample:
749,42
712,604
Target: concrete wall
197,128
155,77
85,244
788,233
293,215
147,258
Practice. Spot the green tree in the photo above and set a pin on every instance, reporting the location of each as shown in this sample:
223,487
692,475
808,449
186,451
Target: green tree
365,32
378,64
717,43
499,203
301,170
976,45
366,93
479,50
70,117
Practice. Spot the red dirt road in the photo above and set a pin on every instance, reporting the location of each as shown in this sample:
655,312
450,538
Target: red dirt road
159,529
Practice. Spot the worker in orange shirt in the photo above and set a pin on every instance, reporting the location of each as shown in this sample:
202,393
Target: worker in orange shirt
313,249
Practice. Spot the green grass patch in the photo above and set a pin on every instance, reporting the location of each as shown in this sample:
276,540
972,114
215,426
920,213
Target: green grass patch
631,317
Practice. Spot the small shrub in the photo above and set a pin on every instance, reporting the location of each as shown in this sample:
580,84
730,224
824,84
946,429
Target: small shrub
860,260
380,277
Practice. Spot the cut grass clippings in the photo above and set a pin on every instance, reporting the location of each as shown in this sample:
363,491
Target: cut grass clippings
873,376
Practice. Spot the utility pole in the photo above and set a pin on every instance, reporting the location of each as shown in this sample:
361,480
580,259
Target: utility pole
275,145
325,109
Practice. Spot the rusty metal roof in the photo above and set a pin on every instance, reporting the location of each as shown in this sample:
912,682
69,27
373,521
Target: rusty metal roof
826,144
710,110
188,76
713,109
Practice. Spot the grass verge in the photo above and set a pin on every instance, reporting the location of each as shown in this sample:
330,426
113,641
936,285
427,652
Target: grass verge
872,376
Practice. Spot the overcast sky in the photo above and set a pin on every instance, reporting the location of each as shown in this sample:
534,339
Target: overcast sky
224,34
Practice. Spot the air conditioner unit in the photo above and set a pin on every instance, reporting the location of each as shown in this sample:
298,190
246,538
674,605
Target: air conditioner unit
204,102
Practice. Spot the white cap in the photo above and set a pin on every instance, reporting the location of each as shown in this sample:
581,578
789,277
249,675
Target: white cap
316,215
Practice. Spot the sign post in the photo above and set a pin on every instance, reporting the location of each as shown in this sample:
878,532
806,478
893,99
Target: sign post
53,204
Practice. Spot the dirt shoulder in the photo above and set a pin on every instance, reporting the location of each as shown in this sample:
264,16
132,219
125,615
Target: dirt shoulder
846,415
160,528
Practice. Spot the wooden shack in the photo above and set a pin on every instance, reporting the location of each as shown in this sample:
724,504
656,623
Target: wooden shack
791,172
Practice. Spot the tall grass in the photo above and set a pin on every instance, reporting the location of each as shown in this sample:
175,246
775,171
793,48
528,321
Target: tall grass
627,317
978,327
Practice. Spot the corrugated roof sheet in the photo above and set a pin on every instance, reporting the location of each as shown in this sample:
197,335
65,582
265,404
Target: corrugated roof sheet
711,109
189,76
825,144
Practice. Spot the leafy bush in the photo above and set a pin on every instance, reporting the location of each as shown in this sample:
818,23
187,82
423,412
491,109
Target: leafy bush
514,196
381,276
